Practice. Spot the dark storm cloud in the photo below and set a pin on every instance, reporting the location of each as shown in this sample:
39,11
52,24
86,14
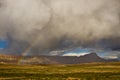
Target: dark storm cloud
60,24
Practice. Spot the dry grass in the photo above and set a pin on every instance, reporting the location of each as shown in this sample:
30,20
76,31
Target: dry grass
93,71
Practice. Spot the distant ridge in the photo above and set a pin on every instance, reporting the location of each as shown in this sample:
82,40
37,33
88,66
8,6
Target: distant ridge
88,58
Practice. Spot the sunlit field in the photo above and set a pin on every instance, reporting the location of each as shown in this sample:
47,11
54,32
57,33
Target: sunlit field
91,71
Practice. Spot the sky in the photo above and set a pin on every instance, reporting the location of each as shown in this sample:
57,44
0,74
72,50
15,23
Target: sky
40,27
103,53
108,54
3,44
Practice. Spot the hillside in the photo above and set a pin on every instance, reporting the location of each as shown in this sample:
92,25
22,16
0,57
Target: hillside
88,58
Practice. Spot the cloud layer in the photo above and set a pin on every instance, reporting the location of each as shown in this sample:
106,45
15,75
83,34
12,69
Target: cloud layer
48,25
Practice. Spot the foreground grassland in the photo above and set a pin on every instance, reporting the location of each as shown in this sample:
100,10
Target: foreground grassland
93,71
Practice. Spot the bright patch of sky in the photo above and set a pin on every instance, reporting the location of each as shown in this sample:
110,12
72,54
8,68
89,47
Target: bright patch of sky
75,54
108,54
79,50
3,44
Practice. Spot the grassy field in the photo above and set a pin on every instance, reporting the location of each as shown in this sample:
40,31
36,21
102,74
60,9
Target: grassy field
93,71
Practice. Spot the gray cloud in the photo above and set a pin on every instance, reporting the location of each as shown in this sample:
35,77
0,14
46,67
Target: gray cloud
112,55
48,25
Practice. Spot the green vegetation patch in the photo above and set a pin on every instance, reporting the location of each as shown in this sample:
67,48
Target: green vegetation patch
93,71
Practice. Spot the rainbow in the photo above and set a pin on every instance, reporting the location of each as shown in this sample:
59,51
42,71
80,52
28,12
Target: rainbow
26,51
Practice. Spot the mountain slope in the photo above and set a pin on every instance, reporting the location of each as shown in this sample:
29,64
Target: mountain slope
88,58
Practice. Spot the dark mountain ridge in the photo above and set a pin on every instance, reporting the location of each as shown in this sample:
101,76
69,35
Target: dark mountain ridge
88,58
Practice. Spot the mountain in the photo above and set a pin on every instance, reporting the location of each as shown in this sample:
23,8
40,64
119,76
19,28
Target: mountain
88,58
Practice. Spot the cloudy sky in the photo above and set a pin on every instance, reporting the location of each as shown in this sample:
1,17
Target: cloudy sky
43,26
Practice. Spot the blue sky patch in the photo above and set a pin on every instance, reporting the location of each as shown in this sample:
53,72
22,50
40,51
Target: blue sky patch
79,50
3,44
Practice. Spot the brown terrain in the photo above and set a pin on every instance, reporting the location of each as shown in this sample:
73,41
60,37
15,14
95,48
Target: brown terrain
88,58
